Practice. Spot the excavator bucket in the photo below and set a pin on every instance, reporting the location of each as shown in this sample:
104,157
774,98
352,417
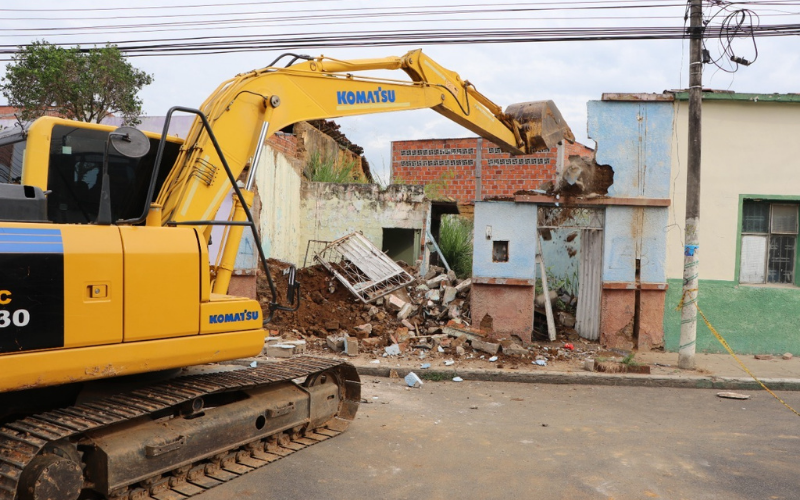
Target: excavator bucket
540,123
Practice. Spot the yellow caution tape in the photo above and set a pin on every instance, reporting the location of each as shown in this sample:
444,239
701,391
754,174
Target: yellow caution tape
730,351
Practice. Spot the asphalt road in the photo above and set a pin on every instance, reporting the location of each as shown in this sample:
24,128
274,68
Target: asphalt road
483,440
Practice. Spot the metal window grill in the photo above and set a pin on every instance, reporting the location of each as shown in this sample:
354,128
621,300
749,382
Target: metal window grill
360,266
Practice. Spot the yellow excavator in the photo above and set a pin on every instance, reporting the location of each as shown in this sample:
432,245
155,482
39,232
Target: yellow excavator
105,280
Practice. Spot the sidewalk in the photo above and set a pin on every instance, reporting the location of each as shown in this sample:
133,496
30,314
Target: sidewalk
714,371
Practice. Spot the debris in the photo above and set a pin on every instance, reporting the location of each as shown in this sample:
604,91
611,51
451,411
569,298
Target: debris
392,350
449,362
253,364
732,395
434,295
394,303
332,325
474,407
451,275
413,380
566,319
437,281
409,325
787,355
461,332
588,364
763,357
279,350
540,362
458,379
363,331
464,285
449,295
351,346
371,343
460,351
425,366
513,349
440,348
376,361
487,347
405,312
335,342
493,359
393,373
569,346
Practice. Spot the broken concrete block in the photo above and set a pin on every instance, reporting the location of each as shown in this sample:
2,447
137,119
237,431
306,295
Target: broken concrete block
454,311
332,325
422,288
437,281
335,342
460,350
371,343
566,319
513,349
381,316
394,303
487,347
402,335
363,331
588,364
787,355
413,380
351,346
450,293
392,350
373,311
433,271
433,295
406,323
405,312
540,299
763,357
451,275
464,285
279,351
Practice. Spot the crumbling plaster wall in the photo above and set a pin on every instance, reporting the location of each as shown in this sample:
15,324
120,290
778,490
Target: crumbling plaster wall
635,139
330,211
278,180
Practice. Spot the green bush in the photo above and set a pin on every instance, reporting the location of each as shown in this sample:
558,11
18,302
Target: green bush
324,169
455,242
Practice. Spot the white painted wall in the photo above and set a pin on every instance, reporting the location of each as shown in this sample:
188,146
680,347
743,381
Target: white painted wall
279,185
748,148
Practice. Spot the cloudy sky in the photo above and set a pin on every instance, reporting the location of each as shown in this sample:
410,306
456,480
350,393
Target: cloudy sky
569,72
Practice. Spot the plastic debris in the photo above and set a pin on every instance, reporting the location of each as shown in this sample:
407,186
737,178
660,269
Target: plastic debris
425,366
493,359
376,361
449,362
569,346
413,380
540,362
458,379
253,364
439,348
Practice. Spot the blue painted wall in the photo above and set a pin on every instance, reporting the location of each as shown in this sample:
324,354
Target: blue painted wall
635,138
512,222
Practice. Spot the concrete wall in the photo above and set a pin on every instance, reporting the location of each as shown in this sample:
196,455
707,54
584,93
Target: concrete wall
330,211
748,152
512,222
635,139
278,180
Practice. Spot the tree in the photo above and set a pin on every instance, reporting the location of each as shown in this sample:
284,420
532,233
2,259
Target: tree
79,84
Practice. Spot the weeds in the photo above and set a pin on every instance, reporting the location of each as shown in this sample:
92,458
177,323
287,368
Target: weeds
324,169
455,242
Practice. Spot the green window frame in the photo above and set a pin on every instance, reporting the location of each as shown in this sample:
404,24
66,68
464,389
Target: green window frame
767,240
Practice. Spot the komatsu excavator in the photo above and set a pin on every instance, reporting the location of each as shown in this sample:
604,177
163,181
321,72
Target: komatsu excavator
105,274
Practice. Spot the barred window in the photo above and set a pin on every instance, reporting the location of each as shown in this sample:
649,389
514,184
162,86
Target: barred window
769,242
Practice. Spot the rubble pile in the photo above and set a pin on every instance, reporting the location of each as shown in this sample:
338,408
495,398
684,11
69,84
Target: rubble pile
427,319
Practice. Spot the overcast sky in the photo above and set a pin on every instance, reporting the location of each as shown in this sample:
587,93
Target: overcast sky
570,73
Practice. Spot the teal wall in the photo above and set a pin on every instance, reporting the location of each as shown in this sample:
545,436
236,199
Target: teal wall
752,319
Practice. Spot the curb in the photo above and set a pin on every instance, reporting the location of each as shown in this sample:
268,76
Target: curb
593,378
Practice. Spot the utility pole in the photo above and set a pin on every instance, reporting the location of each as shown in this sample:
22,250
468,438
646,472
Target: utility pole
691,261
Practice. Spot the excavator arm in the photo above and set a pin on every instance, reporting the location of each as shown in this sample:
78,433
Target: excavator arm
245,110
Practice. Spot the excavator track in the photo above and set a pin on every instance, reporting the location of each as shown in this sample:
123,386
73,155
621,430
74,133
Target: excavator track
39,454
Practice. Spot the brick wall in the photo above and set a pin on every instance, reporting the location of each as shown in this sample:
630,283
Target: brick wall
450,166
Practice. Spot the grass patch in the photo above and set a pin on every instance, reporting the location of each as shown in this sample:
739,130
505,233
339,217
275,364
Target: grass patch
455,242
435,376
323,169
